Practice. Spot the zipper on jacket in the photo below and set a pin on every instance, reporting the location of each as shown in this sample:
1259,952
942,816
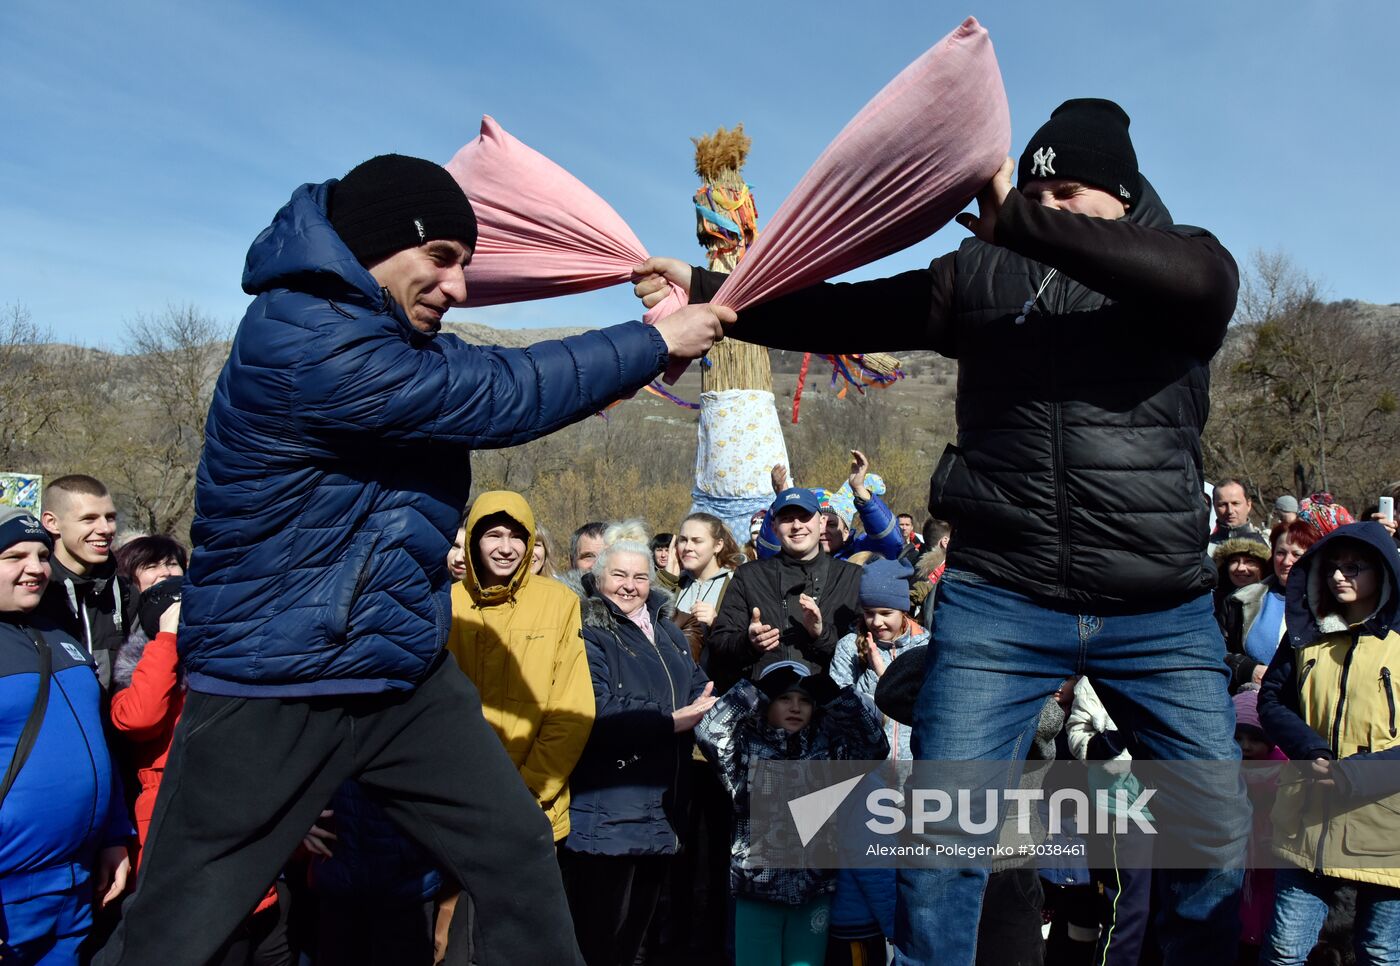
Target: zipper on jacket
92,760
1342,696
1057,444
1057,469
1318,867
1322,836
671,682
1389,697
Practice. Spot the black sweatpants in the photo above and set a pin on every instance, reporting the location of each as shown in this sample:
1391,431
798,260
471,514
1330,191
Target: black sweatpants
613,899
248,776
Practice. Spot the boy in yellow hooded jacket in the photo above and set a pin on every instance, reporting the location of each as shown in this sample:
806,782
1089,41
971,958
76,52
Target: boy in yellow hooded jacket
517,636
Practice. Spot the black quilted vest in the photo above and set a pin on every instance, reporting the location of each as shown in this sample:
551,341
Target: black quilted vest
1076,477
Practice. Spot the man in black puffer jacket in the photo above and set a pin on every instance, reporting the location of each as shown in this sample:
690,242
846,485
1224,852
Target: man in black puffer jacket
1083,321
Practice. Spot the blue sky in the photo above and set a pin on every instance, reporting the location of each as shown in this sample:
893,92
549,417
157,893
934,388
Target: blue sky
145,143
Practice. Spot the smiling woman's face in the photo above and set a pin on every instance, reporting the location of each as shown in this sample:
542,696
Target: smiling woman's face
626,581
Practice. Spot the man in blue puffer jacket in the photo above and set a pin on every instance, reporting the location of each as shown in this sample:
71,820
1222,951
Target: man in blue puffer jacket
316,607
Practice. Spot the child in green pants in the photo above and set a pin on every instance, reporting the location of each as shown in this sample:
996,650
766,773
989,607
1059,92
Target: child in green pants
796,713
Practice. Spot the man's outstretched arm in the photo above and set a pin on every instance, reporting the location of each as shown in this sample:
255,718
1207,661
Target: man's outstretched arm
1182,271
902,312
365,378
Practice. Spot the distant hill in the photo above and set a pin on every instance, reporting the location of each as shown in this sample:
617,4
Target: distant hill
1373,312
509,338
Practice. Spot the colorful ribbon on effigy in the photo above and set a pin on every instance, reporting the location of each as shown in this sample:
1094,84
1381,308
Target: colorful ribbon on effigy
727,215
857,370
661,391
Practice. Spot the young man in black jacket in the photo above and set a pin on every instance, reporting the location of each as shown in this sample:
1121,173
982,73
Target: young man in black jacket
794,605
85,596
1083,321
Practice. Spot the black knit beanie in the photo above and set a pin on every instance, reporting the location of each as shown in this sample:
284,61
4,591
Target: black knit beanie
1086,139
394,202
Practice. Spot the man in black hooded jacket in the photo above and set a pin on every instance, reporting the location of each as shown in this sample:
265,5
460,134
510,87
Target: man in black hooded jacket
86,597
1083,321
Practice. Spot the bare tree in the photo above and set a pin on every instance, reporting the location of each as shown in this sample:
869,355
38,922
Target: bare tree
1304,389
31,390
177,355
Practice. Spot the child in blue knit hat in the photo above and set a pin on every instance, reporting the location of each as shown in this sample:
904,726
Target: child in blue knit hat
884,632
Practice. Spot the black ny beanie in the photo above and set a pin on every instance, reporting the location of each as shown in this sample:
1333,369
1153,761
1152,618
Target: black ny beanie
1086,139
394,202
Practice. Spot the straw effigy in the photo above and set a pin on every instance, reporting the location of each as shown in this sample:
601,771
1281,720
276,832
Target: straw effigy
726,224
739,435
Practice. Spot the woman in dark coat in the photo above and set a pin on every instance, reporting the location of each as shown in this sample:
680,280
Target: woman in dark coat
628,788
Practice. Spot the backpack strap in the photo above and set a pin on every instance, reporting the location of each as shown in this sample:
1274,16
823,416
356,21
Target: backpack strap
30,734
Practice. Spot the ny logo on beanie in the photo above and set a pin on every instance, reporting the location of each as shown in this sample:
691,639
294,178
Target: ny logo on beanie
1043,162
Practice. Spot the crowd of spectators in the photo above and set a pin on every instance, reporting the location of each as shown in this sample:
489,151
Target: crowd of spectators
633,689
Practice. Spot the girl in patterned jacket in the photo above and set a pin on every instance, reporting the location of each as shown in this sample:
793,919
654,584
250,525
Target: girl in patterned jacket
789,713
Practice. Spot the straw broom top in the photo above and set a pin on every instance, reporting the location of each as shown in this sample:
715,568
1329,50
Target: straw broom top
722,153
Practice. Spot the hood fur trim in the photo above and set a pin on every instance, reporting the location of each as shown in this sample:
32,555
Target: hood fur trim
596,610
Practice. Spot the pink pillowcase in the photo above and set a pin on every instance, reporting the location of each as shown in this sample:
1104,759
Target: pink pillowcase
542,232
908,162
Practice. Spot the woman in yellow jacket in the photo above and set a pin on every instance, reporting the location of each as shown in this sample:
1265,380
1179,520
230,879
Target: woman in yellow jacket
517,636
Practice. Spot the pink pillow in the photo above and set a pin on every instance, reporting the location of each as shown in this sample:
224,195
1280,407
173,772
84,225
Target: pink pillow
900,169
542,232
908,162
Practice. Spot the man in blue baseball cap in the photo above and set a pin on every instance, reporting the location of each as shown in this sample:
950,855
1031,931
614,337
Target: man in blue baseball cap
793,606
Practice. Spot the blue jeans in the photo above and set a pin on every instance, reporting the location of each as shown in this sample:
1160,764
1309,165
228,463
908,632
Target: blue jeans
995,657
1300,909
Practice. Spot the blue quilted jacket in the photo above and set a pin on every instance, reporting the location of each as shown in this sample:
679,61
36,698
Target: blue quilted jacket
337,462
66,803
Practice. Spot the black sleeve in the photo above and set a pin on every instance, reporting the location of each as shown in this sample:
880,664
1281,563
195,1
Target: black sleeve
1279,714
1181,272
728,637
1241,670
905,311
1105,746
